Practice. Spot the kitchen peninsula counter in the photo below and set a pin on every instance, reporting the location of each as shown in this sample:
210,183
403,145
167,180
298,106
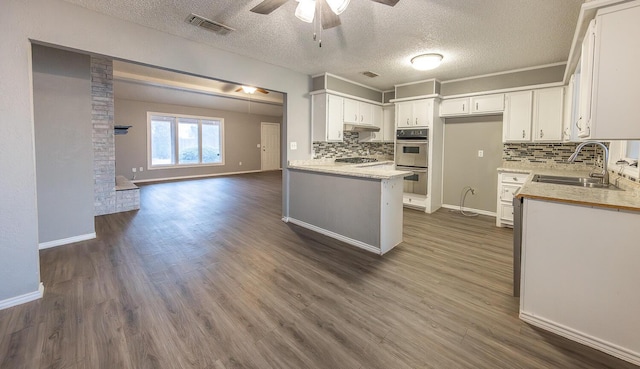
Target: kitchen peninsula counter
359,204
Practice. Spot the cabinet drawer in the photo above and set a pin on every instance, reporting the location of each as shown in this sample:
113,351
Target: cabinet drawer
508,191
506,212
518,178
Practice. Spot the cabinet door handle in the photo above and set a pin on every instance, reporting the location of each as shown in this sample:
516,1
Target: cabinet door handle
515,179
407,121
476,106
578,124
463,107
362,118
523,135
541,134
416,121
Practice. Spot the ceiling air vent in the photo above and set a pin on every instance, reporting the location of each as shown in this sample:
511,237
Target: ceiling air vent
212,26
370,74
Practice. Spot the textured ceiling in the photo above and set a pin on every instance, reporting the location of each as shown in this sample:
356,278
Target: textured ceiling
475,36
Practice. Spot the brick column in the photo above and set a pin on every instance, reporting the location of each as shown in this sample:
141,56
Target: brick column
104,156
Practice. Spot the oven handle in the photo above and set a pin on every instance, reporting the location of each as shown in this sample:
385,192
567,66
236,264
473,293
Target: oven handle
412,169
416,141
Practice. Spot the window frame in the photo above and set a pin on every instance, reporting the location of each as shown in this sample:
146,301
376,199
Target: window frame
618,151
176,141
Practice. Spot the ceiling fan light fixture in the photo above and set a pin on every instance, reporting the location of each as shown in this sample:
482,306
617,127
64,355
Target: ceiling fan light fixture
306,10
426,61
338,6
248,89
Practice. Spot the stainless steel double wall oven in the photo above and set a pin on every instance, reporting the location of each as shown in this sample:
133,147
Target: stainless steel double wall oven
412,154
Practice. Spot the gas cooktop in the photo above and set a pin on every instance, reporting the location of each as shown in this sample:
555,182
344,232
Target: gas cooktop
356,160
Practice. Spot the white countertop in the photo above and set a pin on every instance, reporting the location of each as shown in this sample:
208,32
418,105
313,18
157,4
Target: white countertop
629,199
375,170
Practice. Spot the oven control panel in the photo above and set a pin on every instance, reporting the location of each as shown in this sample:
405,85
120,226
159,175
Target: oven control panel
413,134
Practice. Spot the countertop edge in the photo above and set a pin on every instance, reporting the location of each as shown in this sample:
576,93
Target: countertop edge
350,171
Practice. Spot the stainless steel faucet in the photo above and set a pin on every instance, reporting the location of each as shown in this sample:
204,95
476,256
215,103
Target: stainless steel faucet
605,173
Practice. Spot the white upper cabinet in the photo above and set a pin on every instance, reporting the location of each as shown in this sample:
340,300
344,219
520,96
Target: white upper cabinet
454,107
548,114
328,122
358,112
517,117
416,113
376,120
534,115
476,105
487,104
389,123
583,124
616,74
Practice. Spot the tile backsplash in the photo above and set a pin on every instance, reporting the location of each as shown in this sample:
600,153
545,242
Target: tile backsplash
549,153
351,147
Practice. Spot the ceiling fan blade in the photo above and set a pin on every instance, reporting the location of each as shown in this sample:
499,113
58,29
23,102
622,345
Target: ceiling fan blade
262,90
329,18
387,2
267,6
239,89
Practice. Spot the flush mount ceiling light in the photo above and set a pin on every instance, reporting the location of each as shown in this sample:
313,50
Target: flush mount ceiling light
426,61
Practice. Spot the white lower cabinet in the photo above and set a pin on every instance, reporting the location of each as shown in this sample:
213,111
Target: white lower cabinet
508,184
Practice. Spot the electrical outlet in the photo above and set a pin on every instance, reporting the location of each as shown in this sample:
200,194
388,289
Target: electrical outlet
240,163
480,153
133,170
294,145
258,145
141,169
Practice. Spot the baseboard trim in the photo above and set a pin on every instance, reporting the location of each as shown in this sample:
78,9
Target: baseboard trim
23,299
577,336
337,236
471,210
199,176
66,241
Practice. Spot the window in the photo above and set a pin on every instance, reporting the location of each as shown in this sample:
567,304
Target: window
184,141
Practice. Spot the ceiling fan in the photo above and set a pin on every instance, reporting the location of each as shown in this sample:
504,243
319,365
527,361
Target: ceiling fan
328,9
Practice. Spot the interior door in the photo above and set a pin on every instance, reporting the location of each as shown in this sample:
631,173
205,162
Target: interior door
270,145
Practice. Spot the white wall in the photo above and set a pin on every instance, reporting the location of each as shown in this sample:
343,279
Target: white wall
59,23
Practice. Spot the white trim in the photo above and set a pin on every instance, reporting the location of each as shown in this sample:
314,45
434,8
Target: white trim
416,82
342,94
66,241
387,91
505,72
432,96
505,90
198,176
23,299
582,338
471,210
337,236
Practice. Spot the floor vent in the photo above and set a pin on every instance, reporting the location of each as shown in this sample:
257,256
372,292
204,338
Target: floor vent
370,74
208,24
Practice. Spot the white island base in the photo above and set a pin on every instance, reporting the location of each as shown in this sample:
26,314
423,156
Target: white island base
361,211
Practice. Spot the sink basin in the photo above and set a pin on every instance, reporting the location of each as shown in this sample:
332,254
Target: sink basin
573,181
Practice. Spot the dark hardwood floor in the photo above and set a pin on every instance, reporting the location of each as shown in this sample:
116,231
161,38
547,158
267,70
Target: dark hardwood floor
206,275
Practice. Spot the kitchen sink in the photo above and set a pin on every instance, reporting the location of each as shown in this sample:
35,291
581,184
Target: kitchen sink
573,181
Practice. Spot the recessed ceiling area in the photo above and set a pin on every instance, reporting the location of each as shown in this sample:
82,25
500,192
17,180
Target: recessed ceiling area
476,37
143,83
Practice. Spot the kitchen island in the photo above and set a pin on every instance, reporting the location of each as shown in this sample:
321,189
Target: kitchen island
359,204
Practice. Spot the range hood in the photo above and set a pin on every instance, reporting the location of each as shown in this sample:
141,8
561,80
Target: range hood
350,127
